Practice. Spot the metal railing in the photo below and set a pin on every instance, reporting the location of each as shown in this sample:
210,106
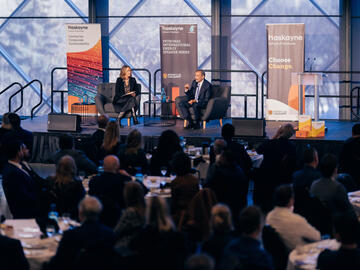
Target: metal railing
22,98
357,106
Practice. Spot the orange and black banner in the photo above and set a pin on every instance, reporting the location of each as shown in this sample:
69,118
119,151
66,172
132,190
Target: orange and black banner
179,57
285,55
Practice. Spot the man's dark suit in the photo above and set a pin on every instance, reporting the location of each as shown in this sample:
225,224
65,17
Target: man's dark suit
109,188
350,159
20,191
21,135
83,163
12,254
204,95
87,247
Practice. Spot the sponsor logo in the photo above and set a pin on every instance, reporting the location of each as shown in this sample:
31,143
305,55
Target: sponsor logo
172,28
77,27
192,29
284,38
165,75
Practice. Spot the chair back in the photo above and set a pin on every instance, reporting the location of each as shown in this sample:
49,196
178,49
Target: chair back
221,91
107,90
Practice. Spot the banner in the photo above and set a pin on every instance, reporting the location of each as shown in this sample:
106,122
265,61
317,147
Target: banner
285,55
179,57
84,62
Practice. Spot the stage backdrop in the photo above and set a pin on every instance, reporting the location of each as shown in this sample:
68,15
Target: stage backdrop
84,63
285,47
179,57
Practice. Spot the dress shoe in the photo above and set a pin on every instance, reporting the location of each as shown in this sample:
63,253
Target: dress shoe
196,126
190,126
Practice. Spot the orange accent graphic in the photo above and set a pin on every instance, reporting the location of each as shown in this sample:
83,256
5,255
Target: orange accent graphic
293,100
165,75
174,94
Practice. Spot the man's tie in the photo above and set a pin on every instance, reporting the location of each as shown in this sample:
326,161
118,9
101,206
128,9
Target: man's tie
197,92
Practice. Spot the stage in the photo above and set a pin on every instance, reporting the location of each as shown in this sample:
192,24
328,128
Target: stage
46,143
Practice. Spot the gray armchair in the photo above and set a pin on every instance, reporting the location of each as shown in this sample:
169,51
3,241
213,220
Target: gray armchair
104,99
217,106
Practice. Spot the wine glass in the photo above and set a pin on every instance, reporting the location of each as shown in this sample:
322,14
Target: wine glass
50,230
172,176
163,170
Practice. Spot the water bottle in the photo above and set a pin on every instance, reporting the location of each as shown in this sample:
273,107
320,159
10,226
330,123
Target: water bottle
53,214
163,95
139,176
182,142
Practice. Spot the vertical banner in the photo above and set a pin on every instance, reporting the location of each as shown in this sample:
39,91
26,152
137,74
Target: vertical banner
285,55
84,62
179,57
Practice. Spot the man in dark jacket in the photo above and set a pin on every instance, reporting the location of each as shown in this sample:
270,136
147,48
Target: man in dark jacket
12,254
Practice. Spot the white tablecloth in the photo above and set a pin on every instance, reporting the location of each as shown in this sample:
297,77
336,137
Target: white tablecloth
354,198
305,257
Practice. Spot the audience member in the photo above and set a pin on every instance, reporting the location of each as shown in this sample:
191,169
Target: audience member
246,252
183,187
132,156
200,261
240,154
159,245
169,144
303,179
292,228
98,135
132,217
83,163
19,187
89,246
222,232
198,222
330,192
346,229
216,150
66,189
111,143
108,187
12,254
5,128
229,182
350,155
17,133
277,167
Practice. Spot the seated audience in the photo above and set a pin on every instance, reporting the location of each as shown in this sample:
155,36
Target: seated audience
277,167
111,143
303,179
331,193
183,187
292,228
197,225
12,254
132,217
159,245
5,128
108,187
89,246
246,251
83,163
229,182
19,187
168,145
222,232
132,156
350,155
17,133
66,190
216,150
346,229
200,261
97,138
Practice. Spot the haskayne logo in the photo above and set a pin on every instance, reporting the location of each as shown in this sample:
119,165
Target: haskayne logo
284,38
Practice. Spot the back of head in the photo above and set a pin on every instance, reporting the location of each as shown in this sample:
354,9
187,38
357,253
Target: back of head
221,218
111,136
227,158
133,140
5,120
285,132
12,148
102,121
309,155
228,132
157,214
134,196
66,170
200,261
250,220
219,146
282,196
346,228
181,164
328,165
169,142
14,120
89,209
111,164
66,142
356,130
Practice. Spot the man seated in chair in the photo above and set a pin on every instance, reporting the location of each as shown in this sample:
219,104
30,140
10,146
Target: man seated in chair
196,99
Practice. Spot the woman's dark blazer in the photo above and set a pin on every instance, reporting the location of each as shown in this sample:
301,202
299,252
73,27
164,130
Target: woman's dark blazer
120,88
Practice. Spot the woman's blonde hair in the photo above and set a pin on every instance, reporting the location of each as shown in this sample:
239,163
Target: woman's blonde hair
111,136
157,214
66,170
123,71
221,218
133,142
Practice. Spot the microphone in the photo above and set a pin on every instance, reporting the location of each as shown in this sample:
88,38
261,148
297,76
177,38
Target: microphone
307,62
312,63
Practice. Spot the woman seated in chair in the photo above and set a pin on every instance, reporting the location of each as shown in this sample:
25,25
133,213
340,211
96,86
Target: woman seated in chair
126,91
